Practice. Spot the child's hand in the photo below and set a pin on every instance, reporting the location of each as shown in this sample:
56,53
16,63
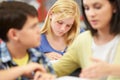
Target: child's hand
43,76
32,67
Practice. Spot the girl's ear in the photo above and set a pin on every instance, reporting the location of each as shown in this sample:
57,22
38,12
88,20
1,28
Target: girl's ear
12,34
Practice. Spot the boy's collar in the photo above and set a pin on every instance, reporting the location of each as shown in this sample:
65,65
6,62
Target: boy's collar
34,54
4,53
6,57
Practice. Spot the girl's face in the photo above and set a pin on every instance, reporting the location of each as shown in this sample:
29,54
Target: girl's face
98,13
61,27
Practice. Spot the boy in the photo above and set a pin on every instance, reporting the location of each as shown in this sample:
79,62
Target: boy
20,32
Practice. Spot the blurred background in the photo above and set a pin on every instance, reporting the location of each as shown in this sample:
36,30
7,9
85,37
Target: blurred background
43,6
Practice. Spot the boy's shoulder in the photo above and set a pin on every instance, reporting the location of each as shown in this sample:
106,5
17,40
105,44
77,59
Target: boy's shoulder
4,53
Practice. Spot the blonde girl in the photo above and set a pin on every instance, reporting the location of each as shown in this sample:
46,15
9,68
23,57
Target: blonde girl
60,28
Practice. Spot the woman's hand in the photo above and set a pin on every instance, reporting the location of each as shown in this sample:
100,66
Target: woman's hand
97,70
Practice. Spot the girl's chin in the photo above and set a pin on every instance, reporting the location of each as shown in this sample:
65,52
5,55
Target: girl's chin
60,35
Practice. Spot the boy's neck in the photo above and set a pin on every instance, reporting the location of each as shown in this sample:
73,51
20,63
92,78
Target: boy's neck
16,51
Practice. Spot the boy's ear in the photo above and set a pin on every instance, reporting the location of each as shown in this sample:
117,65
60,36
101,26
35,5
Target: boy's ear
12,34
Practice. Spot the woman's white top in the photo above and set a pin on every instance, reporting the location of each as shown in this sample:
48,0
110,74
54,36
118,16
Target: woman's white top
107,51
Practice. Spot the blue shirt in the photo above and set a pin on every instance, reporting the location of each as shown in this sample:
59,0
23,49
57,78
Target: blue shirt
45,47
6,61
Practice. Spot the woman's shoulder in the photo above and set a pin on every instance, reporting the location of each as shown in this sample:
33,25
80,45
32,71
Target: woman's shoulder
85,34
83,38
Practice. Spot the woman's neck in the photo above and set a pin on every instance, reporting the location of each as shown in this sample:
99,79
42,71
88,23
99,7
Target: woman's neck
103,37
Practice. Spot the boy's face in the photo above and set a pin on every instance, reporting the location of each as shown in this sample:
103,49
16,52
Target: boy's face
29,35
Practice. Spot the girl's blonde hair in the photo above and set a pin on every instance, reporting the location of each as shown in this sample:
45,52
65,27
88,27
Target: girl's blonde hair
66,8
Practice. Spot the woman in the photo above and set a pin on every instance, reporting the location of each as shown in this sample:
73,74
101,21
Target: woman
101,42
60,28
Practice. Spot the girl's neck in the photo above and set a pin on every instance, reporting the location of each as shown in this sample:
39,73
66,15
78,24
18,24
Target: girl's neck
57,43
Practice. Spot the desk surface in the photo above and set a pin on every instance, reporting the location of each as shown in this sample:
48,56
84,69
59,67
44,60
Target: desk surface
70,78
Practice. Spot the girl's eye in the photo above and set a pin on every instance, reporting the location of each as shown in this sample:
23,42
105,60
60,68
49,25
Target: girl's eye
59,22
69,25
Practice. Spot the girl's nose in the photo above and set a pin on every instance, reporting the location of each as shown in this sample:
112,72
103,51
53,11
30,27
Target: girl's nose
63,28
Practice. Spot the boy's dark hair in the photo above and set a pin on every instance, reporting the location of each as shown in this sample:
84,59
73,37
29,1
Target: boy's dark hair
13,14
115,22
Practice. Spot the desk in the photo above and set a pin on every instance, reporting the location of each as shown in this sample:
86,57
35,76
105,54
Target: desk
70,78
